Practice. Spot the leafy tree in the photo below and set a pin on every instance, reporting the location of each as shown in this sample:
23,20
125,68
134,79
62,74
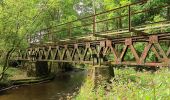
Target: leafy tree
15,20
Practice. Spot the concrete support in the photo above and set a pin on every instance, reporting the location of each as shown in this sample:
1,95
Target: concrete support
65,66
103,73
41,68
100,74
37,69
30,66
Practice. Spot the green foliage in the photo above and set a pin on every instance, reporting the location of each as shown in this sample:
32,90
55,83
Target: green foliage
11,71
21,18
131,85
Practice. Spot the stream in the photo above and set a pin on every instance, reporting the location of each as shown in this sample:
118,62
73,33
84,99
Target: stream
65,84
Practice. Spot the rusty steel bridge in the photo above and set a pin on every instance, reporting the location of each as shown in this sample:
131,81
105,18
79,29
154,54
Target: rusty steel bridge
117,37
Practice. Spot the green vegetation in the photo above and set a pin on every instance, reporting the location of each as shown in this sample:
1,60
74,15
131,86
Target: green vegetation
129,84
12,71
20,19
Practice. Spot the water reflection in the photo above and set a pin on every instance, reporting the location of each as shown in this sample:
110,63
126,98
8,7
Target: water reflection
65,84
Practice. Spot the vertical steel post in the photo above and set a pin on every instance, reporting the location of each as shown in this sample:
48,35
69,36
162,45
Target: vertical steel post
129,19
40,37
50,37
69,29
94,16
34,39
30,39
94,24
27,37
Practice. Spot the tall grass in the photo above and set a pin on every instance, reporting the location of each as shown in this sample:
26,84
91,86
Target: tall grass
129,84
11,71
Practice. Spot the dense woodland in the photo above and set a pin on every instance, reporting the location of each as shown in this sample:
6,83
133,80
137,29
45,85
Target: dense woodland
22,18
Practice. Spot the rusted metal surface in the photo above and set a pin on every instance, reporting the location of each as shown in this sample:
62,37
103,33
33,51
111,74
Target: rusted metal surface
111,48
92,51
91,23
129,17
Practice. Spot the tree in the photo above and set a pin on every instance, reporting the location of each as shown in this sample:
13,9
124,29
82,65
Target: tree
16,18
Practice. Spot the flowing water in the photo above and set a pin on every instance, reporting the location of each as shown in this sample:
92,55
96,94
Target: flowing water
64,85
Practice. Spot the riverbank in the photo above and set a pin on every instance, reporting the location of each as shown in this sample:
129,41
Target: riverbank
129,84
15,77
64,87
20,82
19,78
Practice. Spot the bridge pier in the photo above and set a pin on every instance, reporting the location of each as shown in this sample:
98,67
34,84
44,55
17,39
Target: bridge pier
65,66
45,67
100,74
41,68
37,69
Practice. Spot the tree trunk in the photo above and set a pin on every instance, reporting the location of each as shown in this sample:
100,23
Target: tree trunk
5,66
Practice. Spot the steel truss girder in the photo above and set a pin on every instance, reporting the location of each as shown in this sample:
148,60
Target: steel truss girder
95,51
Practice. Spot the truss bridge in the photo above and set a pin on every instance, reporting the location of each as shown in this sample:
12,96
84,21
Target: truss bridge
120,36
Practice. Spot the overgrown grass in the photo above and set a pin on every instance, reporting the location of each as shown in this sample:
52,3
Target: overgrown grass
11,71
130,85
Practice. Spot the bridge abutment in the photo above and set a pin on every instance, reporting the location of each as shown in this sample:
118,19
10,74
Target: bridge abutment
37,69
100,74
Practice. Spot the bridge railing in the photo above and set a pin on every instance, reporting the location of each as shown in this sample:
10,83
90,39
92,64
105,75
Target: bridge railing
122,21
